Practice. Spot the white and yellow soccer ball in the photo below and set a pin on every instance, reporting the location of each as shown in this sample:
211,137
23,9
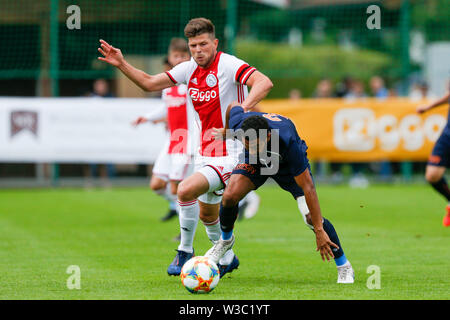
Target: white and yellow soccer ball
200,275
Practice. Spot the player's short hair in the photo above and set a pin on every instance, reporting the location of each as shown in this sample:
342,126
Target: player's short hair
256,123
179,45
198,26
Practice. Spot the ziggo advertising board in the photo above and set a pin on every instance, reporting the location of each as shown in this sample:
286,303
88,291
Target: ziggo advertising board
363,130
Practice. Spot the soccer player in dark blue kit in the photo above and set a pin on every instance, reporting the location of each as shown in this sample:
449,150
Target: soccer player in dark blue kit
288,165
439,159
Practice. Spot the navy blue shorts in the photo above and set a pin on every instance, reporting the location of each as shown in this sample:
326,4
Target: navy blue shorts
440,156
285,180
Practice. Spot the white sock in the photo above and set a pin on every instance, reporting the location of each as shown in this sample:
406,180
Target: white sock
213,230
188,216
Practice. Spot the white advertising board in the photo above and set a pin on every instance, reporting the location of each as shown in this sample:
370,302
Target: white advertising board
79,130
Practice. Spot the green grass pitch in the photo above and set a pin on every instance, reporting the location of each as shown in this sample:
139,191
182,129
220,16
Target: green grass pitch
123,250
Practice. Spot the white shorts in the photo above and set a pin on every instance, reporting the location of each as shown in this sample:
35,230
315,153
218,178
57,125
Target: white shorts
173,166
217,170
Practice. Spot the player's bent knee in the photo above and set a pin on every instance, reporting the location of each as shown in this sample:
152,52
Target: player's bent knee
185,192
430,178
209,218
209,213
155,187
433,175
157,183
229,199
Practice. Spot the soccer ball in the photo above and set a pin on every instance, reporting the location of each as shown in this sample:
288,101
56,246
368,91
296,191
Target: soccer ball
200,275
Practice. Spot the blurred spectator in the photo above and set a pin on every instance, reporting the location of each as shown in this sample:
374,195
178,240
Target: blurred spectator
356,90
101,89
380,92
295,94
324,89
392,93
419,91
343,87
104,171
378,88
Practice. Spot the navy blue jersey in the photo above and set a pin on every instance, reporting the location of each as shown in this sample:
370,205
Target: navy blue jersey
292,150
447,127
440,155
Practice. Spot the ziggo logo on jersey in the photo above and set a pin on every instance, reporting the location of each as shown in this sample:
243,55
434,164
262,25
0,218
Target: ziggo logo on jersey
361,130
197,95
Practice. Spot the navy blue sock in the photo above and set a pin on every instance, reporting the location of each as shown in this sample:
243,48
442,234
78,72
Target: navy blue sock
228,216
339,256
442,187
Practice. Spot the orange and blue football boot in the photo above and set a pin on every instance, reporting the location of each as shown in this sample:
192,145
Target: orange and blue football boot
230,267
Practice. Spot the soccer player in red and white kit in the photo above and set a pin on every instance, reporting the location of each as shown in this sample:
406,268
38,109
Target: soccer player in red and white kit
174,160
214,80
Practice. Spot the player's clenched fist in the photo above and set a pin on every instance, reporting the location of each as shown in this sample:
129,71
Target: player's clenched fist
110,54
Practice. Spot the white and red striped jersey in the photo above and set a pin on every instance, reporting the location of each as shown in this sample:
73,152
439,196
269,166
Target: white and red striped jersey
177,119
210,91
181,126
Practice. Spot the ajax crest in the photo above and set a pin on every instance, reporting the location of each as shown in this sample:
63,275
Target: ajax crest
211,80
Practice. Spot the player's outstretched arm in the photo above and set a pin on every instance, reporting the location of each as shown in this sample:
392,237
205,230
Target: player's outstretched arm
260,86
143,80
324,243
434,104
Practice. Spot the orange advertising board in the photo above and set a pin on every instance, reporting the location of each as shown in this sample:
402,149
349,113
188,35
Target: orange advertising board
363,130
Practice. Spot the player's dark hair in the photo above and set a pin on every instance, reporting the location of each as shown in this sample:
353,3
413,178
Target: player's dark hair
179,45
256,123
198,26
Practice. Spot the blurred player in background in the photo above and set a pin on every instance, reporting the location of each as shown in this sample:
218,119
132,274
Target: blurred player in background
439,159
174,160
293,175
214,79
